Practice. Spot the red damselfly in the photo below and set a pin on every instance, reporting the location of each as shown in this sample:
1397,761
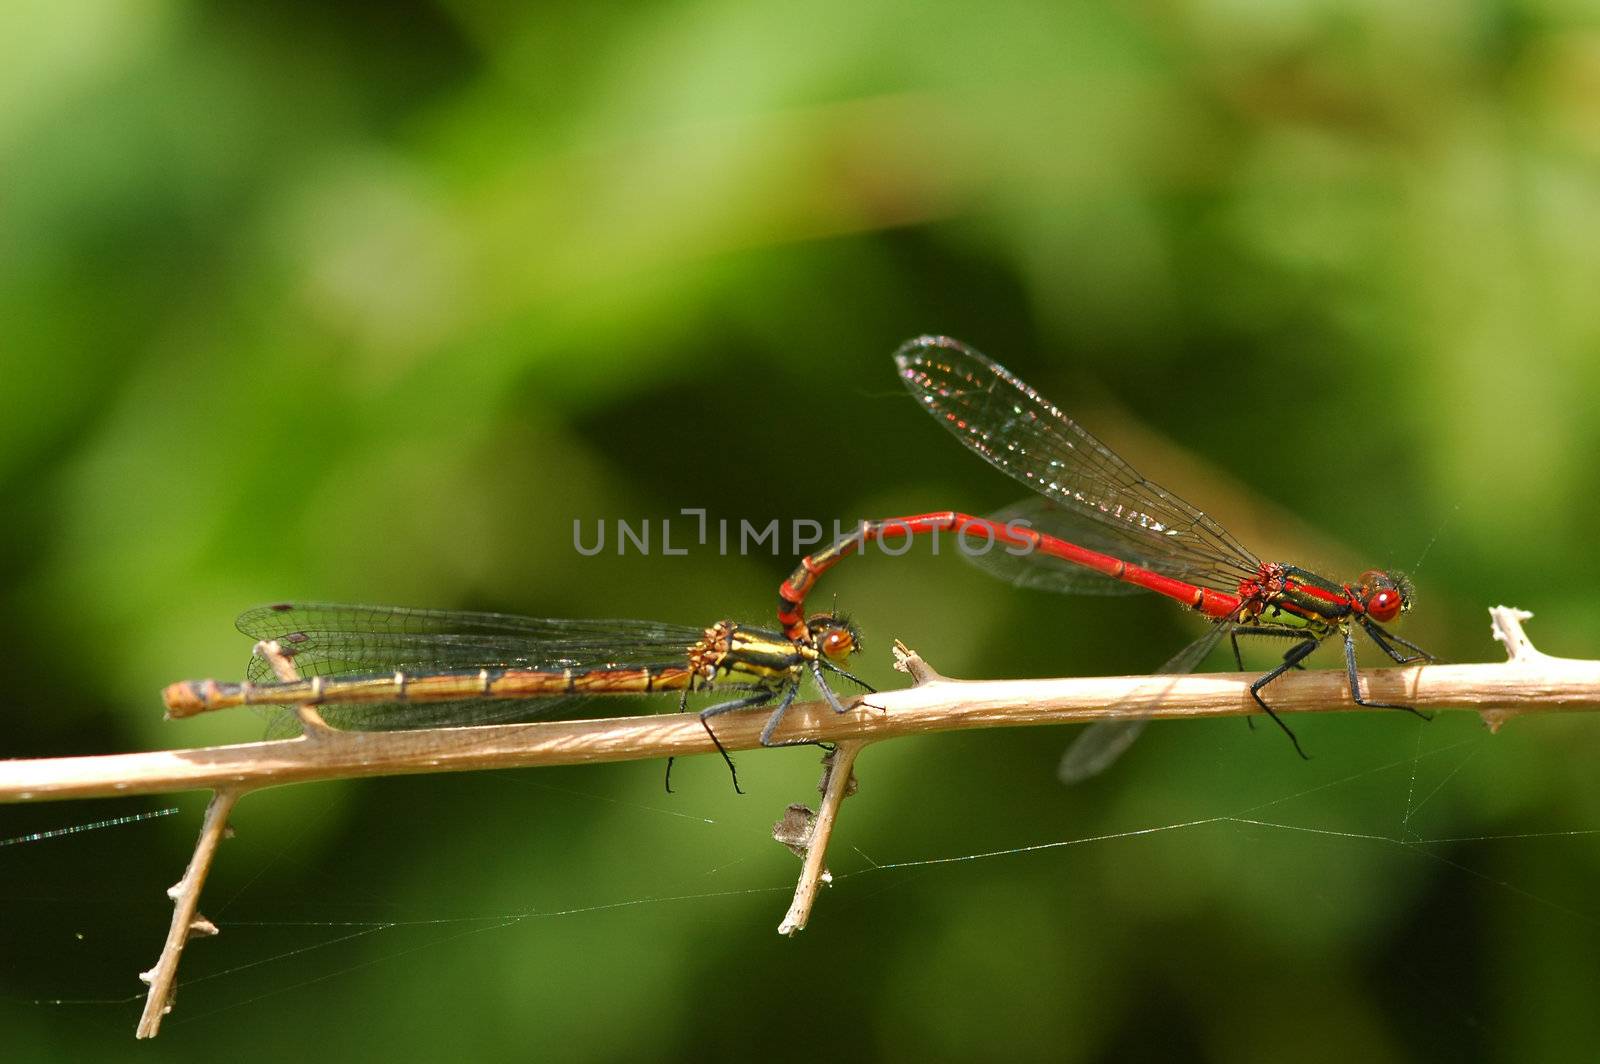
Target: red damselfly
1099,527
376,668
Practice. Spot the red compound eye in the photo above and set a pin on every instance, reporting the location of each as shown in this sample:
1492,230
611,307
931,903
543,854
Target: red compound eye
1384,606
838,643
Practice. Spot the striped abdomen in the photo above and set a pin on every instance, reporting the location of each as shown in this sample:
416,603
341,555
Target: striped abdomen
197,696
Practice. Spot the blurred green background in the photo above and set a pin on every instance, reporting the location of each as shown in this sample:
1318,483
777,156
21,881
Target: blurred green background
371,303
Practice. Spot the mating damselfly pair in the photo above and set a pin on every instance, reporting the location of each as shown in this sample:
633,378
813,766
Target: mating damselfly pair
1096,526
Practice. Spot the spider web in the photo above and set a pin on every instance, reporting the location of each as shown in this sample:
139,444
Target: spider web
304,932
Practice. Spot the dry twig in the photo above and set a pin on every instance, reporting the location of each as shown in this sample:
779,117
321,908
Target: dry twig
838,781
186,919
1528,682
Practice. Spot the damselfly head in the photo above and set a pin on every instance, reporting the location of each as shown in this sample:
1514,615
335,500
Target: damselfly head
1385,593
834,636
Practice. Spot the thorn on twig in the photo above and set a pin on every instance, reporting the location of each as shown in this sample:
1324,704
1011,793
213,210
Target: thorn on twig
271,651
1494,718
283,667
311,723
1505,624
910,662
